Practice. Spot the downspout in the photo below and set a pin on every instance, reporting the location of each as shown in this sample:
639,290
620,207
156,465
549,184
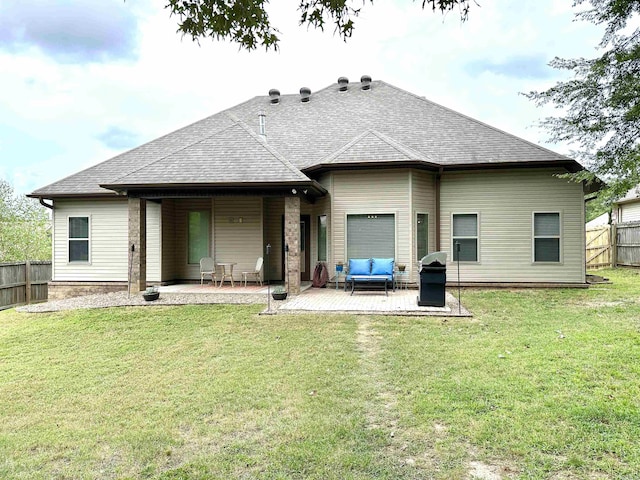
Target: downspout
437,209
42,202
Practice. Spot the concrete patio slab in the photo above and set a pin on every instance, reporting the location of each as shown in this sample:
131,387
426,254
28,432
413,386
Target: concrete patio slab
400,302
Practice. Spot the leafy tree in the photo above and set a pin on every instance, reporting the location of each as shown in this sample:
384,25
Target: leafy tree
247,23
24,227
601,103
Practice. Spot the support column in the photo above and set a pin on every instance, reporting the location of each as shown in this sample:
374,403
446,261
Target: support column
137,245
292,239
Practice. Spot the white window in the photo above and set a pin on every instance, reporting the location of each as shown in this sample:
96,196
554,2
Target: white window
78,239
465,237
546,237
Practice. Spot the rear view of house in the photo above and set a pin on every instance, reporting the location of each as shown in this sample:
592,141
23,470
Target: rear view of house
358,169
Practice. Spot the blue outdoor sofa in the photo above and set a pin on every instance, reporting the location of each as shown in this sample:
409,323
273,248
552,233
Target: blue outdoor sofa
365,271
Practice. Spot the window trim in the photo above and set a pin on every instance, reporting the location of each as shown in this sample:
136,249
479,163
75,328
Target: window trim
326,237
476,237
209,233
88,240
418,257
375,211
534,237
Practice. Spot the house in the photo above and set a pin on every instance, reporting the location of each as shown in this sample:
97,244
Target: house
358,169
627,208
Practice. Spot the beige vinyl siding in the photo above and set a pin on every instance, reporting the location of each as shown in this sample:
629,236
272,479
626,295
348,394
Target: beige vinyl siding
505,201
371,192
235,241
108,241
273,212
630,212
423,193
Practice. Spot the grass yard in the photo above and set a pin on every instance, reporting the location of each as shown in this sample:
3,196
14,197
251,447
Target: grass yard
540,384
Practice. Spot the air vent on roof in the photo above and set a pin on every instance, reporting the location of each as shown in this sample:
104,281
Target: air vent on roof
305,94
343,84
274,95
366,82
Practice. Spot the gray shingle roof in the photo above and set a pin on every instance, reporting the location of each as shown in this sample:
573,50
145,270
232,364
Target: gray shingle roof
382,124
229,156
372,147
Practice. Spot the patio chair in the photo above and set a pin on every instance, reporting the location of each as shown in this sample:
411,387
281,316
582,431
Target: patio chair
207,267
256,273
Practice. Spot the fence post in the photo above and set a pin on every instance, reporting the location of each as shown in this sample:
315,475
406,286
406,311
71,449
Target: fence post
614,245
27,282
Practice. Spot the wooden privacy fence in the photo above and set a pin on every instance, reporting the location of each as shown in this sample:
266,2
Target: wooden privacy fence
23,282
615,245
599,247
627,244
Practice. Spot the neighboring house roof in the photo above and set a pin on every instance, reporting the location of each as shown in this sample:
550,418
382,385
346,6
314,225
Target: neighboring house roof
383,125
633,195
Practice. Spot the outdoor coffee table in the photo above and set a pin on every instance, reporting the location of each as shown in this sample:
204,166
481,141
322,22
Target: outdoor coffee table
368,279
227,272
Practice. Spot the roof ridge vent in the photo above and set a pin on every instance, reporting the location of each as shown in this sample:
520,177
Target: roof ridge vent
274,95
366,82
305,94
343,84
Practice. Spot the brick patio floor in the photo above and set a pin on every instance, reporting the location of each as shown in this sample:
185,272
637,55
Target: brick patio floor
400,302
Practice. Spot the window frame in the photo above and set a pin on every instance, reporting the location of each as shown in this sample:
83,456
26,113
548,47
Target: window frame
371,212
418,257
476,237
534,237
326,237
79,239
209,236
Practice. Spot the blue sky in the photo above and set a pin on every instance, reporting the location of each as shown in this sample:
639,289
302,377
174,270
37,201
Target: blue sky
83,80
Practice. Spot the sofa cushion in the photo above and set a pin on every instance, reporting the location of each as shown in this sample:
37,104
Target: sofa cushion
382,266
359,266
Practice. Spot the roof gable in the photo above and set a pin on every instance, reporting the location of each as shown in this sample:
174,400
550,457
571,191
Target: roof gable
373,147
231,156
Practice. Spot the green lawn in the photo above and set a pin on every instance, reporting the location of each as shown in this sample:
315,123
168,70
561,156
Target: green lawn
539,384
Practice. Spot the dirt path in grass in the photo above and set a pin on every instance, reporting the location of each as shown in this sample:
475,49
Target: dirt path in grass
382,413
409,452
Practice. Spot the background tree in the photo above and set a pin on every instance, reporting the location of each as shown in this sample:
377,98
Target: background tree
601,103
247,23
24,227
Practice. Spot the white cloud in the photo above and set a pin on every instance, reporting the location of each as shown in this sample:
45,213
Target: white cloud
71,31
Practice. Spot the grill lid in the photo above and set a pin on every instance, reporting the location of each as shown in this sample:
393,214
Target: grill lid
434,259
